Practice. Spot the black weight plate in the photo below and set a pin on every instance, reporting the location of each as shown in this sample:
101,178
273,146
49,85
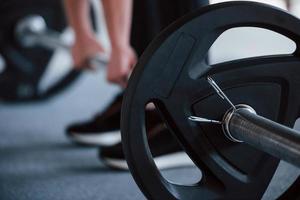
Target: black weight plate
172,74
26,66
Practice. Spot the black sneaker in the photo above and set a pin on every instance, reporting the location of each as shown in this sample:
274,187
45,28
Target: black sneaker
102,130
165,150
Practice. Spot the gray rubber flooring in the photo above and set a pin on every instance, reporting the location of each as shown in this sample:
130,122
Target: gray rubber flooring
37,161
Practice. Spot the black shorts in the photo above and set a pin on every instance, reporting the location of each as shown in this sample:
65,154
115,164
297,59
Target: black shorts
151,16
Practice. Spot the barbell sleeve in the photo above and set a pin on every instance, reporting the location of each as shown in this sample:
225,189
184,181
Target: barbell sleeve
266,135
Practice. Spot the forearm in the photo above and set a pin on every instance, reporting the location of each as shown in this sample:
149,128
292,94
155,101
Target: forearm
118,15
78,17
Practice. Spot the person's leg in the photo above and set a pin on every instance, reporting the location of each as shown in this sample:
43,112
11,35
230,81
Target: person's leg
170,12
145,24
86,44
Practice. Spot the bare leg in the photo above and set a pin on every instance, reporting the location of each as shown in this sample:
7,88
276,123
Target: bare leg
86,44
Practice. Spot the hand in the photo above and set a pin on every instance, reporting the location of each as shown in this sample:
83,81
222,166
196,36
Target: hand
121,63
83,50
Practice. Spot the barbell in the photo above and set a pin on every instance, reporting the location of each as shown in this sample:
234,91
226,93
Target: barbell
233,119
31,32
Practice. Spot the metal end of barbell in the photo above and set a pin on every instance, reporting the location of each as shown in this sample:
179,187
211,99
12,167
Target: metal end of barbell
227,118
29,28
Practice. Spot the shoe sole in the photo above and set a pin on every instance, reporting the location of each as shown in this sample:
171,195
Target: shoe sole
97,139
174,160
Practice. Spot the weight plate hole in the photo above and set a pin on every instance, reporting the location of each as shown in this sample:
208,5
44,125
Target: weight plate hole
171,160
247,42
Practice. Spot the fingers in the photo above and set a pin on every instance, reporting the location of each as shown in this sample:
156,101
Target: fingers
128,74
120,79
123,82
134,60
120,66
86,65
83,52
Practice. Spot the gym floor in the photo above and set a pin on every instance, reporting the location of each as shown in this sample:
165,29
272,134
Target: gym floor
38,162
